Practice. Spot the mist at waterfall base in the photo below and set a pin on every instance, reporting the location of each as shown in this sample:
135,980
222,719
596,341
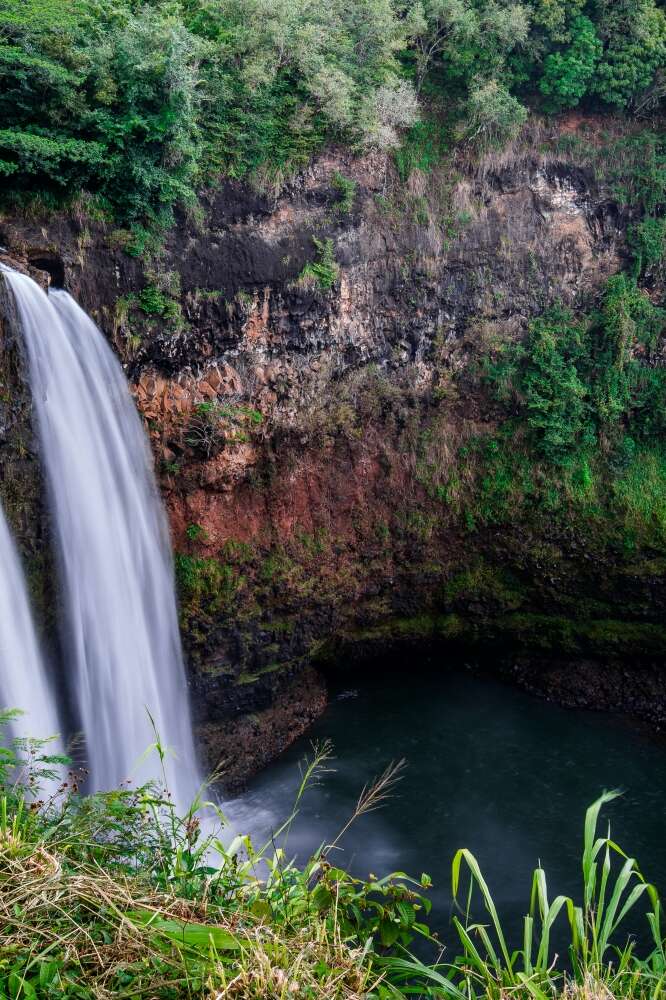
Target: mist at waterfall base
120,628
490,768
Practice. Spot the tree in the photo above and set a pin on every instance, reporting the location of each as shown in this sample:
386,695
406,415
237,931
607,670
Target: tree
147,89
42,67
142,101
567,74
494,116
100,97
554,17
395,108
335,55
437,25
467,38
634,36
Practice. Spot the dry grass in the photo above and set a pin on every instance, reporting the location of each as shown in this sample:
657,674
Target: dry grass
81,916
590,990
273,967
104,930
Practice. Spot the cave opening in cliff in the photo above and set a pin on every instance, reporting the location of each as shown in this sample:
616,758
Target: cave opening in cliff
52,263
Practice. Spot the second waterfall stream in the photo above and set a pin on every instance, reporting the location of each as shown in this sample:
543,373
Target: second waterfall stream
120,633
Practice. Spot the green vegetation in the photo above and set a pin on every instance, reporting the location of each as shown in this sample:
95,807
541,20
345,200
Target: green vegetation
242,578
630,164
423,146
195,532
157,305
346,191
618,498
115,895
141,103
583,425
323,271
205,584
213,425
502,625
647,241
567,74
152,302
582,381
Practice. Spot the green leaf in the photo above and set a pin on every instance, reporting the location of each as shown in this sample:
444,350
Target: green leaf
197,936
261,908
389,932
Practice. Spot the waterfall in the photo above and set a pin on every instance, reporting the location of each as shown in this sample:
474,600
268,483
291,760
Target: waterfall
23,678
121,630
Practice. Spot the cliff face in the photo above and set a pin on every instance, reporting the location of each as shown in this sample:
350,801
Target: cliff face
21,487
305,400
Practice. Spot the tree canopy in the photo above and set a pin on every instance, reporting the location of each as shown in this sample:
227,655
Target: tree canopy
142,102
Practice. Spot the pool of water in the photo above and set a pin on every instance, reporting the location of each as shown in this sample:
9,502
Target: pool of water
489,768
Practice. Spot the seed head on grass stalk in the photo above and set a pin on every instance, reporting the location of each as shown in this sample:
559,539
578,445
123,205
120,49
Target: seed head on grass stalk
372,797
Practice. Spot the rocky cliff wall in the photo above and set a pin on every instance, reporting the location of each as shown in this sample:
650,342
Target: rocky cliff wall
305,398
21,486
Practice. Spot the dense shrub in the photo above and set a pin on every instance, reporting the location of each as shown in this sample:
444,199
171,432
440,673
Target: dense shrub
568,73
634,34
576,381
556,398
647,240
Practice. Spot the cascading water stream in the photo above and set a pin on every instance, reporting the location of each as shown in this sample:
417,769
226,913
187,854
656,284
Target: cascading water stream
121,634
24,682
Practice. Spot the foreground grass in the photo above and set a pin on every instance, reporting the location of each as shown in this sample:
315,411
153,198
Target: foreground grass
115,896
74,930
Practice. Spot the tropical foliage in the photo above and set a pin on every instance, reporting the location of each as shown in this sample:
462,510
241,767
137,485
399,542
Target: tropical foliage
142,102
582,381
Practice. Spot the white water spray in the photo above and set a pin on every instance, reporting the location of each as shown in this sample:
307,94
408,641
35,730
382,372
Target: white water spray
121,632
24,682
